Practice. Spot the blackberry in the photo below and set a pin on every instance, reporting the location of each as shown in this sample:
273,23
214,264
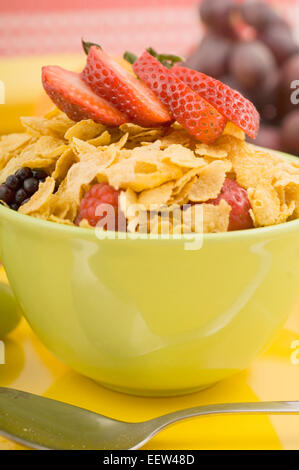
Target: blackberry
31,185
18,188
6,194
20,196
25,202
23,173
39,174
13,182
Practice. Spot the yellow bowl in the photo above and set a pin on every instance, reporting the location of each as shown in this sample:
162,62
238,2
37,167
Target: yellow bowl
150,317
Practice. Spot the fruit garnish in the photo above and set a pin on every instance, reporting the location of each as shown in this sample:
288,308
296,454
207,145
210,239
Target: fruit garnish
111,81
130,57
166,59
230,103
72,96
237,198
87,45
19,187
195,114
93,208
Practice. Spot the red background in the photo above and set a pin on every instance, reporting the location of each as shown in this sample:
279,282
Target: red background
38,27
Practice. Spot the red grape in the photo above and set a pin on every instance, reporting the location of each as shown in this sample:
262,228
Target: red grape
265,96
290,133
251,63
232,83
269,136
216,14
211,56
280,41
259,15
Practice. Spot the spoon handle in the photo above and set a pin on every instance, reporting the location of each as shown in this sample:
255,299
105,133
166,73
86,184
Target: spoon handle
271,407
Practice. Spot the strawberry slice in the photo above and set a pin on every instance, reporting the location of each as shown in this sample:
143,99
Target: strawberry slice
230,103
128,94
195,114
72,96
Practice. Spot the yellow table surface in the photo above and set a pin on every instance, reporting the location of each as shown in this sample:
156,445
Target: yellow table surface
274,376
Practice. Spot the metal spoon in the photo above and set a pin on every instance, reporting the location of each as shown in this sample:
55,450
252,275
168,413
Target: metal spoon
42,423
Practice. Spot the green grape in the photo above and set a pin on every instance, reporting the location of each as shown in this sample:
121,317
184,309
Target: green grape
9,311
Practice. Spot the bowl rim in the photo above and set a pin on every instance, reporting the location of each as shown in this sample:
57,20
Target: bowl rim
36,224
274,230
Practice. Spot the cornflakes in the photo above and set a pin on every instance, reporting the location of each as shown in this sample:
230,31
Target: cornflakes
166,179
208,183
40,200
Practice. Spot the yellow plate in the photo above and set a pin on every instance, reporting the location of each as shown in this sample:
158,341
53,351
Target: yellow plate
30,367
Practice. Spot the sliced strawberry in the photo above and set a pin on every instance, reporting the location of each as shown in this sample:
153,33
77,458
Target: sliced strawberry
72,96
230,103
128,94
195,114
237,198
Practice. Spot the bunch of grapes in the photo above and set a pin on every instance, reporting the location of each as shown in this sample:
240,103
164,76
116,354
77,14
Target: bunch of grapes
252,49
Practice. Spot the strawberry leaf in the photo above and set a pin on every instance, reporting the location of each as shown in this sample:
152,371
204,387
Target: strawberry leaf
87,45
130,57
152,52
168,60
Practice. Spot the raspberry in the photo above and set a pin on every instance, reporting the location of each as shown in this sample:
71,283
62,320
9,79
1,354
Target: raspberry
100,195
237,198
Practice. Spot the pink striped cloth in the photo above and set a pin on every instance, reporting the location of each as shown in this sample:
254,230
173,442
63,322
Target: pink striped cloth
31,27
